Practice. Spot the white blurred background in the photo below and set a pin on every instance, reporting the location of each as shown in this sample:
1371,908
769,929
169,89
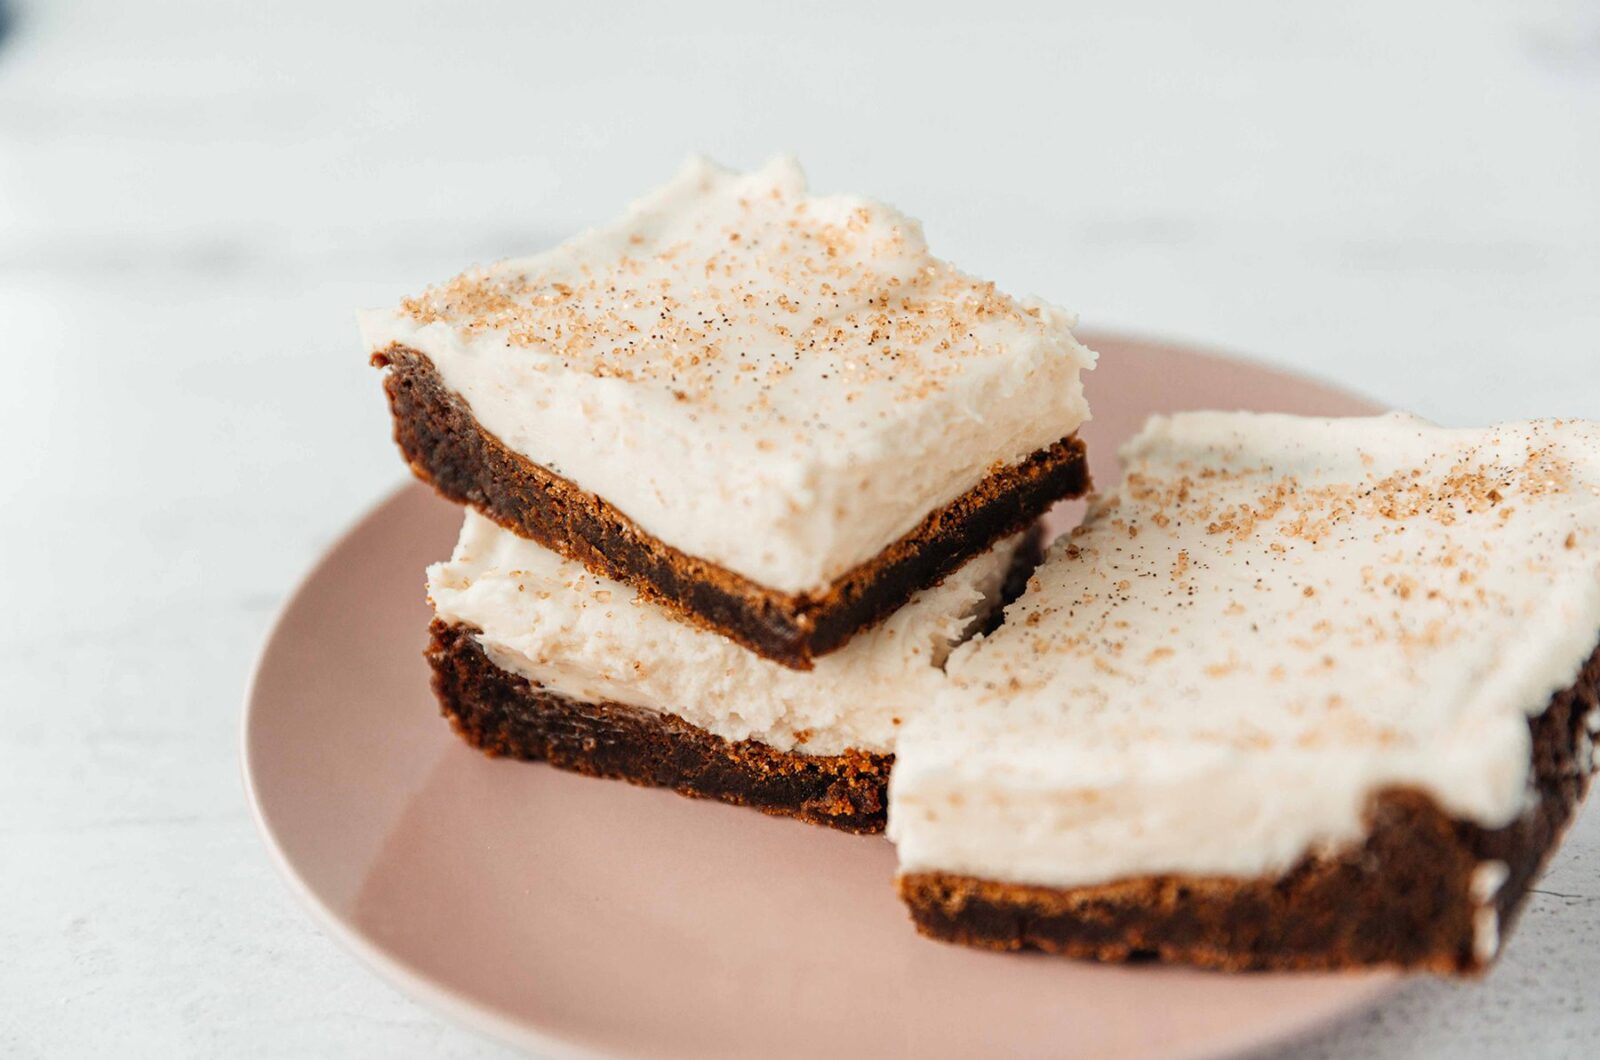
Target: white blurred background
195,196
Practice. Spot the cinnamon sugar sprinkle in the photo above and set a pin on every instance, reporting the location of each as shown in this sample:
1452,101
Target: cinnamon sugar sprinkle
1335,577
737,301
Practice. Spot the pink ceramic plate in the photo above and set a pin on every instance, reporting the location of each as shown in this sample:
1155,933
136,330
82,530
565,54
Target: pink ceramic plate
579,916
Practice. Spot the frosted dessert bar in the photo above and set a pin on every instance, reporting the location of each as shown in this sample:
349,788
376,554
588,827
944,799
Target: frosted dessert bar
536,657
1300,694
772,412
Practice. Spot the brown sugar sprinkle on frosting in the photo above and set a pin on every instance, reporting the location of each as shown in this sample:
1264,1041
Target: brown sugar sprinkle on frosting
722,305
1301,564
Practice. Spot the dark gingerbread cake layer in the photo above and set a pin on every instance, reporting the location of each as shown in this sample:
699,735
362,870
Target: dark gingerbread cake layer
1404,897
502,713
447,447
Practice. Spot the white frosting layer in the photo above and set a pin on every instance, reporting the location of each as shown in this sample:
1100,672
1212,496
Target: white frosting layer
1270,620
781,383
591,639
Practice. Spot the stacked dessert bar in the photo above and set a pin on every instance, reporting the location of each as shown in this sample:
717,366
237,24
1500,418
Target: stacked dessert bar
748,473
742,467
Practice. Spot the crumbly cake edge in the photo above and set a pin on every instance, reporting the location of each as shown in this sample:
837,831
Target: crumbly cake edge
505,715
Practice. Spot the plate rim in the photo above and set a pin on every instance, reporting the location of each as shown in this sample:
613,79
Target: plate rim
428,992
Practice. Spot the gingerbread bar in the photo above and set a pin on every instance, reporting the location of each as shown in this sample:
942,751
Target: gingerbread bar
1300,694
772,412
536,657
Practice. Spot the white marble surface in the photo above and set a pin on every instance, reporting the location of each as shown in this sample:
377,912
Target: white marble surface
194,196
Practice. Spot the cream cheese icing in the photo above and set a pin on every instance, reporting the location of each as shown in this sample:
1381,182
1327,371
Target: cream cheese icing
591,639
1270,620
779,382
